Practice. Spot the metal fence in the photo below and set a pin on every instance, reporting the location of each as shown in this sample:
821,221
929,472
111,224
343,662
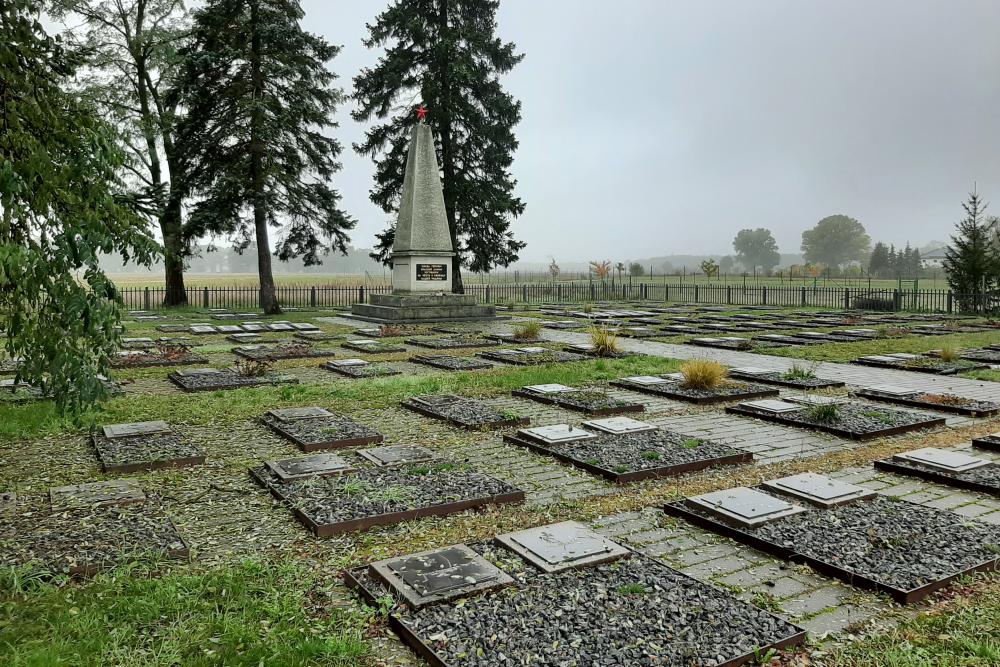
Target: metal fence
941,301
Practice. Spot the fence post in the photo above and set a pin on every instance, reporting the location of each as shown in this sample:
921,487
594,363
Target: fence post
666,292
488,294
312,297
558,293
729,294
847,297
361,294
524,294
896,299
696,294
145,299
763,295
204,297
591,291
950,304
642,291
803,295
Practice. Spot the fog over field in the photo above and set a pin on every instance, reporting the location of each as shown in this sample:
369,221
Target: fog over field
652,128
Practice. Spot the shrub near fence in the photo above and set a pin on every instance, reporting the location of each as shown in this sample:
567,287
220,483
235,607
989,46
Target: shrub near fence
943,301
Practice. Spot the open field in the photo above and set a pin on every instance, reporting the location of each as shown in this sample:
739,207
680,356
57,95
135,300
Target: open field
153,279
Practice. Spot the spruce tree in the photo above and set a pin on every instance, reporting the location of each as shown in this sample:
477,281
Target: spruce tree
879,263
259,96
445,54
61,204
971,261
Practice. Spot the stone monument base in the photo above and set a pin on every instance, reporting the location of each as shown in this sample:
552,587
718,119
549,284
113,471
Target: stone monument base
417,308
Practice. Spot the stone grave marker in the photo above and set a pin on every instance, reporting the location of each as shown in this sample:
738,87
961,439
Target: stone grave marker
562,546
111,492
942,459
548,388
291,414
347,362
819,489
557,433
646,379
197,372
753,370
773,406
805,399
746,507
202,329
892,390
439,574
115,431
318,465
619,425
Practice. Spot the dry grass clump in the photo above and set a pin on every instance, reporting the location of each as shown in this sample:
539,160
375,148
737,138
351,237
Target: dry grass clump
703,374
948,353
390,330
605,341
529,330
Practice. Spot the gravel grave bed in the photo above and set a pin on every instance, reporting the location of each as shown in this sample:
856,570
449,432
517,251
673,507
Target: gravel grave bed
564,326
9,366
780,380
455,342
521,358
889,545
279,352
376,347
316,433
511,339
921,365
985,479
391,331
990,442
226,379
731,391
316,336
592,402
631,457
724,344
359,372
84,541
149,359
14,393
368,497
984,355
635,611
854,421
450,363
145,452
464,412
933,401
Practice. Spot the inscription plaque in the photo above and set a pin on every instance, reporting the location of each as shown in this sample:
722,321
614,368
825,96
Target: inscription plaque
432,272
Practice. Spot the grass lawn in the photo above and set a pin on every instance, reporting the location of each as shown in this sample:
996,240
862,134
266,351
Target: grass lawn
962,632
242,614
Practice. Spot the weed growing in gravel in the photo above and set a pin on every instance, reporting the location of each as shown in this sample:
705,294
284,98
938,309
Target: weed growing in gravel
604,340
651,455
797,372
948,353
825,413
252,368
765,601
703,374
691,443
879,416
529,330
633,590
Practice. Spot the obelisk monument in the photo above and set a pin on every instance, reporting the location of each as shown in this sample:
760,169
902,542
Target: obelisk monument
422,251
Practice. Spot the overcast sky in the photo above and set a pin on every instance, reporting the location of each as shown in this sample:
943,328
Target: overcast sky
653,127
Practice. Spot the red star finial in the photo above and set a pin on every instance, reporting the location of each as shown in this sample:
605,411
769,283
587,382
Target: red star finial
421,112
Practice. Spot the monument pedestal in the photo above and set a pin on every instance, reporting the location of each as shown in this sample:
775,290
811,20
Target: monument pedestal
422,251
417,308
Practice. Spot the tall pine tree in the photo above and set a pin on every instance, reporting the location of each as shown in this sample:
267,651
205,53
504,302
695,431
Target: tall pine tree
879,264
445,54
259,96
971,260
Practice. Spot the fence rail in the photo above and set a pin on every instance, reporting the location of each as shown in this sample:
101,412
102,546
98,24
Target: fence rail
941,301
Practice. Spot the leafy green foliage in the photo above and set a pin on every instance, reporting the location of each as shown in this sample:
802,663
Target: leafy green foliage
835,240
756,247
259,98
447,55
60,205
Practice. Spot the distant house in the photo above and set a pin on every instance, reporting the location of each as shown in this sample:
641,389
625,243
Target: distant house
934,258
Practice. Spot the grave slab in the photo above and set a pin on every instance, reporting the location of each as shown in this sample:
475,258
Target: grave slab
819,489
744,506
619,425
318,465
396,454
561,546
100,494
